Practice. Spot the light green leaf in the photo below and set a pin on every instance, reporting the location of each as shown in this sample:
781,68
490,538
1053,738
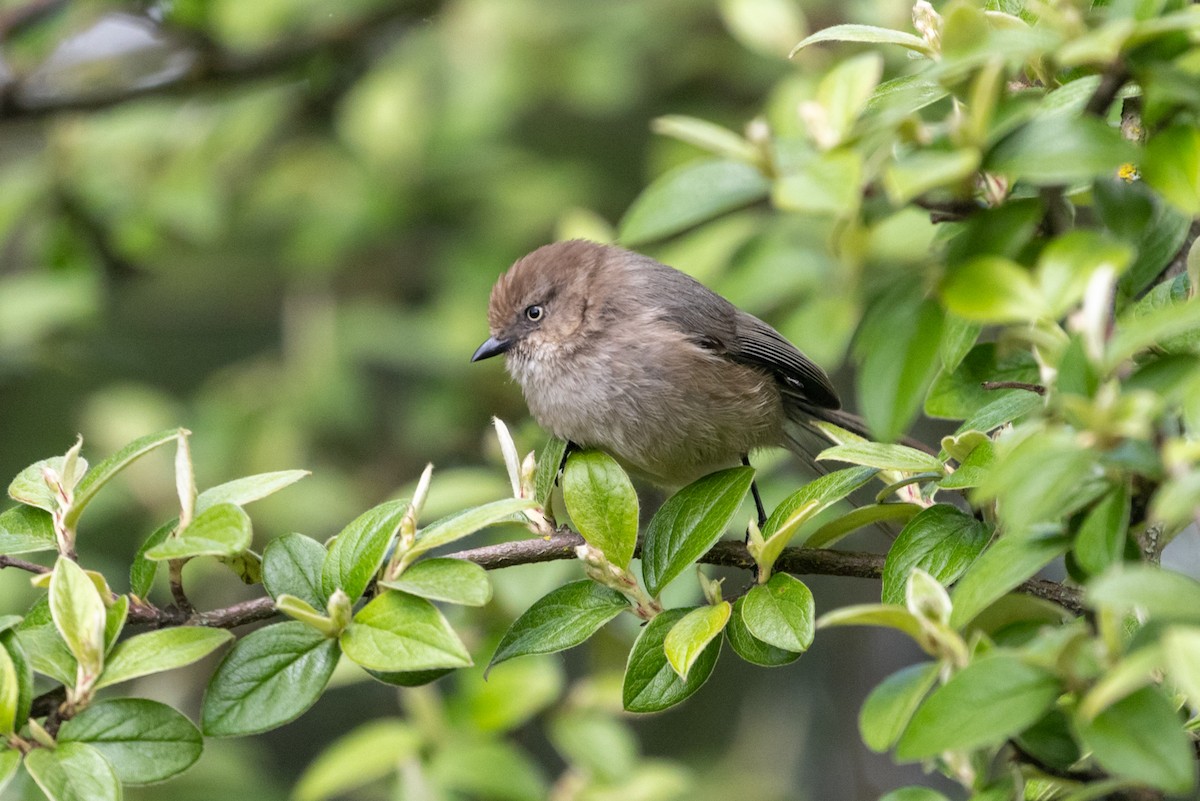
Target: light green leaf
550,459
10,760
941,540
455,581
833,531
689,195
891,705
22,673
843,93
1067,264
1101,538
242,491
79,614
602,504
269,677
1181,649
993,289
1060,149
401,632
916,174
30,487
561,619
158,651
10,693
221,530
689,523
1161,594
1172,166
819,493
916,794
357,553
292,564
26,529
781,613
145,741
706,135
688,638
883,457
985,703
892,617
1137,331
102,473
39,637
820,183
1010,561
512,696
651,684
1140,737
455,527
868,34
73,772
368,753
302,610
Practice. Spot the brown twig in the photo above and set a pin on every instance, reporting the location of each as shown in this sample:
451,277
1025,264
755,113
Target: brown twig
1113,78
21,564
175,576
1037,389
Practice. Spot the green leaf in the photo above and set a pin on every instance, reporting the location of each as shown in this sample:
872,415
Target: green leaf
1067,264
890,706
145,741
892,617
487,769
1139,329
550,458
269,677
401,632
689,195
688,638
512,696
357,554
883,457
868,34
916,794
958,338
781,613
843,93
39,637
985,703
602,504
10,693
916,174
102,473
561,619
1060,149
158,651
143,570
941,540
709,136
1162,595
242,491
292,565
73,772
23,673
26,529
1141,737
455,581
1010,561
993,289
30,487
79,614
689,523
749,647
1181,649
852,521
1172,166
820,183
594,742
455,527
817,495
959,394
10,761
651,684
368,753
1004,409
221,530
1101,538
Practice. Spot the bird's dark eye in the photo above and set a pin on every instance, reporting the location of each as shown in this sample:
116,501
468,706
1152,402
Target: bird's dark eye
534,313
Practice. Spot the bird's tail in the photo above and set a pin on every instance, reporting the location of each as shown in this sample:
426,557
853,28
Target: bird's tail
807,440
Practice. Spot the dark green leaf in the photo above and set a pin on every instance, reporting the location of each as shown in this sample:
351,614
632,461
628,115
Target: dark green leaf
549,460
749,647
562,619
957,395
48,654
941,540
146,741
23,672
689,195
891,705
781,613
1101,538
602,504
861,517
401,632
1051,741
143,570
651,685
1141,737
357,553
409,678
985,703
292,564
689,523
958,337
269,677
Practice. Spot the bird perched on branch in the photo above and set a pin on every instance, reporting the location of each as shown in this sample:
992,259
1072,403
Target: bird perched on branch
616,351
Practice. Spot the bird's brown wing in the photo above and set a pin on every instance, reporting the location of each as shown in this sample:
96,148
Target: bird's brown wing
800,380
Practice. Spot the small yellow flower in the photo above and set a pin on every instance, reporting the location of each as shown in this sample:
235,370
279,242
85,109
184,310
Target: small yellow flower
1129,173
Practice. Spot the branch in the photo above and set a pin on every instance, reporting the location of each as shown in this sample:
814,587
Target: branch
216,67
21,564
1111,81
253,611
727,553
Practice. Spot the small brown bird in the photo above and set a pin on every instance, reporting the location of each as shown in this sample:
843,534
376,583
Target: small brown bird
616,351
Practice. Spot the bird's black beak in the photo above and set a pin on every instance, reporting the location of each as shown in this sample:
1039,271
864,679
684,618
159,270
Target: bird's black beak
493,347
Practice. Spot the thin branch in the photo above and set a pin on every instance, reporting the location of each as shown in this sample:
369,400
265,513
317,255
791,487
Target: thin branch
175,576
799,561
1110,84
21,564
1037,389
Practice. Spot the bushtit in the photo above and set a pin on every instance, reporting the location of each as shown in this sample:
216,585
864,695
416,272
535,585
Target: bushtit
616,351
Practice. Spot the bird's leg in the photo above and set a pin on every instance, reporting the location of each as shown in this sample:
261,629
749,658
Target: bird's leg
562,463
758,504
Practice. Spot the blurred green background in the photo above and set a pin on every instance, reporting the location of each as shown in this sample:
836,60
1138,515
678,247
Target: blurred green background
285,243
